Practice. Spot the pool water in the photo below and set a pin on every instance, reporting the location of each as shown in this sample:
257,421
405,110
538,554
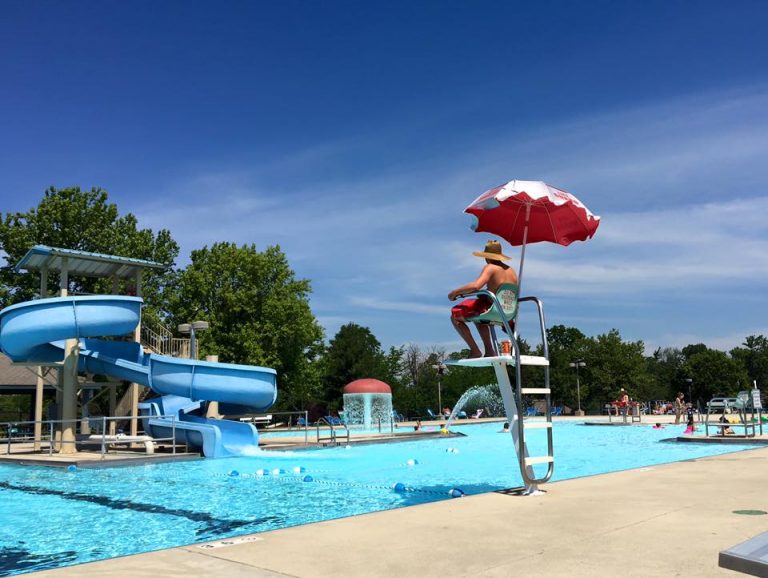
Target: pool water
53,517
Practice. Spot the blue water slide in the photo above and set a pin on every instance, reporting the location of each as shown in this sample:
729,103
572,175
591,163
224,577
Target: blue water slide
35,331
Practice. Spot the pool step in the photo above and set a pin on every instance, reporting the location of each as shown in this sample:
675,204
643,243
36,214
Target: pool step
537,424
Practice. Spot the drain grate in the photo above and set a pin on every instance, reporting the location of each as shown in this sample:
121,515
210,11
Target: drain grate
750,512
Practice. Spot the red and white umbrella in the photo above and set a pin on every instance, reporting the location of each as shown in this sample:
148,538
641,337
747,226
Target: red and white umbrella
523,212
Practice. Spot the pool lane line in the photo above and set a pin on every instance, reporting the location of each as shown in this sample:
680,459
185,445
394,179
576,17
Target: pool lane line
213,525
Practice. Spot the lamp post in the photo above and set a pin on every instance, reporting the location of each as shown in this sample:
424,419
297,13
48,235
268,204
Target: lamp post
191,328
577,365
441,369
689,381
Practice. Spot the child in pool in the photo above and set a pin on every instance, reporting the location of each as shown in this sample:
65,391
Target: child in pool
689,427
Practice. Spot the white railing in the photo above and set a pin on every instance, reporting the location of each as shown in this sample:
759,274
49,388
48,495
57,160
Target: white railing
160,340
18,437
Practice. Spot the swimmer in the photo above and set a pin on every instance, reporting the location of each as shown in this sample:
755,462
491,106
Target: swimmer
505,428
658,426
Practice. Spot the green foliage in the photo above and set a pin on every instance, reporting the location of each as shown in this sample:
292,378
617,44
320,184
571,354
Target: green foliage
567,345
668,370
84,221
258,312
754,358
715,373
613,364
355,353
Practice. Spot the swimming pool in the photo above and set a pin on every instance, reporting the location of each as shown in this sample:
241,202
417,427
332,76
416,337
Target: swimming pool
52,517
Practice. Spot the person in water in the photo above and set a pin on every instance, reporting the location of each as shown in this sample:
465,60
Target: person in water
494,274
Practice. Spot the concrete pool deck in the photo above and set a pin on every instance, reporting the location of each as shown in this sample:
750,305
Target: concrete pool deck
666,520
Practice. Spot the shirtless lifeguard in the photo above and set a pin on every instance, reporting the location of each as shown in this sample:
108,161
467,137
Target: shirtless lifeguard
494,274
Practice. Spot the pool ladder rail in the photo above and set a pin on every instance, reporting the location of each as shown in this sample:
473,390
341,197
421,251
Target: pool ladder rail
333,437
508,368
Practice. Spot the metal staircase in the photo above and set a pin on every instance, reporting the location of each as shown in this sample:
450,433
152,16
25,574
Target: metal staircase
159,339
509,376
156,338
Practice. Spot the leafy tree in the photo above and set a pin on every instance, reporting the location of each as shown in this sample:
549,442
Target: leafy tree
754,358
668,371
567,345
85,221
353,353
258,312
715,373
690,350
613,364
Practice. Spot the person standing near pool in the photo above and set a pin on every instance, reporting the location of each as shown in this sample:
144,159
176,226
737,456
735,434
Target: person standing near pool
679,407
494,274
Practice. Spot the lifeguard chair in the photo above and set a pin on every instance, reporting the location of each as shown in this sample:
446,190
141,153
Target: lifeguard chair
507,366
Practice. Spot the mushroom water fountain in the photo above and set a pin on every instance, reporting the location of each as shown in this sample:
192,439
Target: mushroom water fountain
367,402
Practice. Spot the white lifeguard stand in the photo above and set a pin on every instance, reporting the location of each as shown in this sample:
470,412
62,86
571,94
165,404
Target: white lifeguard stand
507,367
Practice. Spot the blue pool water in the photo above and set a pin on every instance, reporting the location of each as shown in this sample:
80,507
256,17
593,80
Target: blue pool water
53,517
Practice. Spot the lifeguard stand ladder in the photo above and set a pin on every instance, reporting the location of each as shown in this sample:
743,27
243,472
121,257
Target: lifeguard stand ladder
508,367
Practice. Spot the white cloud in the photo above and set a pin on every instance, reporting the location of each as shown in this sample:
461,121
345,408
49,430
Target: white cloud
680,187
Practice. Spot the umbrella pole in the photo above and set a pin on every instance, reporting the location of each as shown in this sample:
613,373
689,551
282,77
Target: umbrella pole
522,251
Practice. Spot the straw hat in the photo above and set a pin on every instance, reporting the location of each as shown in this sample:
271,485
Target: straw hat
492,251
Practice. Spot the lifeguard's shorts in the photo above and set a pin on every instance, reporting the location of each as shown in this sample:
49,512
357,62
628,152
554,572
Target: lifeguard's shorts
470,308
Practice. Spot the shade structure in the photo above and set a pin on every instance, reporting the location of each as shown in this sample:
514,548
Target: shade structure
522,212
530,212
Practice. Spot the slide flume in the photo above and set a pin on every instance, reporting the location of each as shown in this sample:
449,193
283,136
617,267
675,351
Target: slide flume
35,331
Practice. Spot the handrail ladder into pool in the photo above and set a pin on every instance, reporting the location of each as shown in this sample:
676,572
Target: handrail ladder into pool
332,439
513,398
749,415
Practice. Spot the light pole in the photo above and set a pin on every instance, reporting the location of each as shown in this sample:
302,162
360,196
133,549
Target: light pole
689,381
577,365
191,328
441,369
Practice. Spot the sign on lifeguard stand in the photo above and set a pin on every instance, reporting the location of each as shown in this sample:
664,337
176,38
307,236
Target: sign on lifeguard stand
757,405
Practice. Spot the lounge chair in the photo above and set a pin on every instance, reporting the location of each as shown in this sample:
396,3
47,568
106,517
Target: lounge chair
301,422
333,420
557,410
531,411
477,415
433,415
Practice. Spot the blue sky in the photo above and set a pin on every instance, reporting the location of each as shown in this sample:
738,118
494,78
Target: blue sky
353,134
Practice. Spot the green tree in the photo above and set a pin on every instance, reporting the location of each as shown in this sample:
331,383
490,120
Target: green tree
84,221
668,371
353,353
567,345
612,364
715,373
258,312
754,358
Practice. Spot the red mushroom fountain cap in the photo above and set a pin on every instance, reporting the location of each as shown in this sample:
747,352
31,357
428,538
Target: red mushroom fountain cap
367,386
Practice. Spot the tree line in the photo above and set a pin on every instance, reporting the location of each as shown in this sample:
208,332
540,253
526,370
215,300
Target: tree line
259,314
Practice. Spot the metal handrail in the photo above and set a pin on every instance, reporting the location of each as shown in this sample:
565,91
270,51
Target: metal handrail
333,437
161,340
52,430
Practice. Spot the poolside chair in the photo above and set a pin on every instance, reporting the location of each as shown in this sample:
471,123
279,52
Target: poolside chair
433,415
478,414
557,410
333,420
301,422
531,411
507,295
